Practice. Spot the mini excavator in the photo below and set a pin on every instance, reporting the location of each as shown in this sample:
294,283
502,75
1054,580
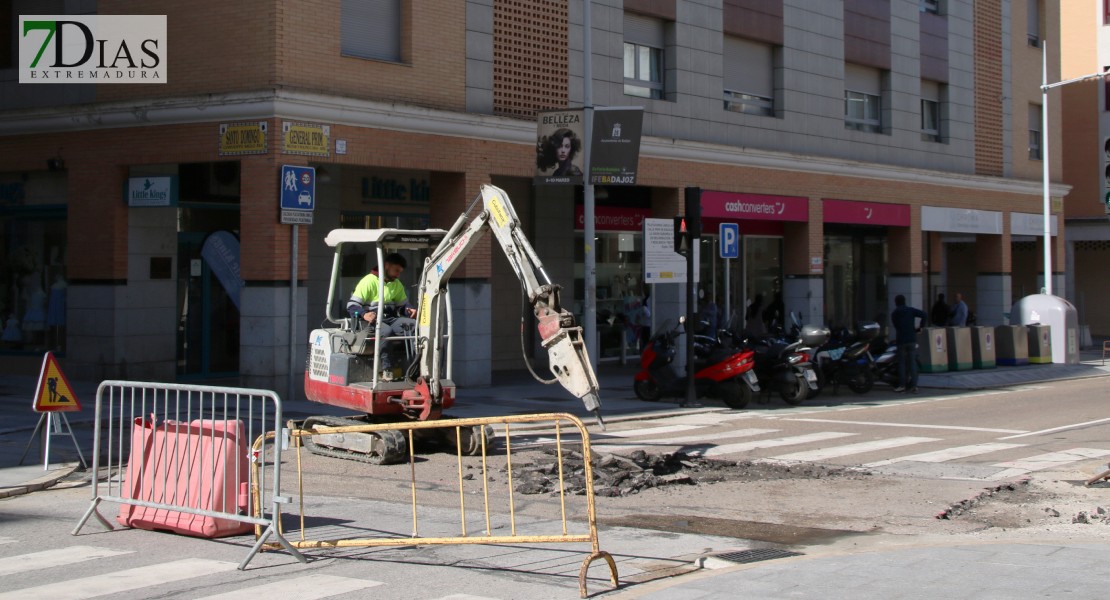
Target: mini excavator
348,363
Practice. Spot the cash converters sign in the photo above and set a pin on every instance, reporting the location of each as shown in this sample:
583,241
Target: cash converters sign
92,48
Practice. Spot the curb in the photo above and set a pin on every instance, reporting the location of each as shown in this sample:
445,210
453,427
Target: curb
41,483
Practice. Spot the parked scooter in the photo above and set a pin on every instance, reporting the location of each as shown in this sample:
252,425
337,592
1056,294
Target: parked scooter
845,359
884,363
783,363
721,372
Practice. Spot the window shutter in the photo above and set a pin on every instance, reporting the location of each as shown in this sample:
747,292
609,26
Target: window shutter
862,79
930,90
749,67
645,31
371,29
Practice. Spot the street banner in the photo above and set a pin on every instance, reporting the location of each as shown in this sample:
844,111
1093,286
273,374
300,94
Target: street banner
559,147
615,145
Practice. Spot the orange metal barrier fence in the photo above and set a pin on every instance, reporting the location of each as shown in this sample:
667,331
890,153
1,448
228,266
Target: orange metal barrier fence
559,421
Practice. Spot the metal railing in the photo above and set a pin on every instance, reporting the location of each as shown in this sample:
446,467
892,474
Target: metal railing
559,420
172,450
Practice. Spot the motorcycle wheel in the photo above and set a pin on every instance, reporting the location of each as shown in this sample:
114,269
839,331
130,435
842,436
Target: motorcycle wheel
794,392
862,382
646,390
734,395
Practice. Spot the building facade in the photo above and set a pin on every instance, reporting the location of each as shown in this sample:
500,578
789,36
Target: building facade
1085,49
866,148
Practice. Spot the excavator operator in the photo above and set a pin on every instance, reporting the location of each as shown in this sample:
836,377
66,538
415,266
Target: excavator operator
363,304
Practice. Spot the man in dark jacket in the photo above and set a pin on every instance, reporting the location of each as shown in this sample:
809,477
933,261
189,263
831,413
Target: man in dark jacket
904,319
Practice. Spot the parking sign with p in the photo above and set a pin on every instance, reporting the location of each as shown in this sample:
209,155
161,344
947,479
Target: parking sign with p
730,240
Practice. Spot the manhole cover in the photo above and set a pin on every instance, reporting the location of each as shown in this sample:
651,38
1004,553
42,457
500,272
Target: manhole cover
757,555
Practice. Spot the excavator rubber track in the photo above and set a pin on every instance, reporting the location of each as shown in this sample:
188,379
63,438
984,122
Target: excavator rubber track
387,447
390,446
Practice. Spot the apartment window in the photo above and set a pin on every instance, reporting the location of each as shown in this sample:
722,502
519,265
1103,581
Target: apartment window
749,76
371,29
1106,12
644,42
863,98
1035,145
1033,22
931,102
932,6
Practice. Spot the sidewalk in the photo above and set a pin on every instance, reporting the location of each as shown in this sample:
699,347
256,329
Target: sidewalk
978,571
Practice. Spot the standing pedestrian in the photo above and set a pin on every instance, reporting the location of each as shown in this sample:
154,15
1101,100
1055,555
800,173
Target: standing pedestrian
904,318
939,314
959,312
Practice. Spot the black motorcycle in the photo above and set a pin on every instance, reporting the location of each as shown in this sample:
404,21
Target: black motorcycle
782,361
845,359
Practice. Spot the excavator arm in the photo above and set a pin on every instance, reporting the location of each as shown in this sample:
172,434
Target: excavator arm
559,333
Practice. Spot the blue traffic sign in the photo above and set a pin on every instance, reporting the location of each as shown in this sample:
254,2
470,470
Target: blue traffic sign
730,240
298,188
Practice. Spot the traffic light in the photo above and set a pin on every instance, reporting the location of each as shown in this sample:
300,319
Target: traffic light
681,244
693,212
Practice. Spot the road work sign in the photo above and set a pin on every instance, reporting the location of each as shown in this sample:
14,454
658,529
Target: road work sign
53,393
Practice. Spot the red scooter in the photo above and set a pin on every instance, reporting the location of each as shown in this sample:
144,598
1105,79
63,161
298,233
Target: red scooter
722,372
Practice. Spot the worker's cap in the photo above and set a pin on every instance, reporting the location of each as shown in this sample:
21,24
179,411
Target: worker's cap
396,259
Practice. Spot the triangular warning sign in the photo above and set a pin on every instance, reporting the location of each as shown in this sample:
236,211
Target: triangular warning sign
53,393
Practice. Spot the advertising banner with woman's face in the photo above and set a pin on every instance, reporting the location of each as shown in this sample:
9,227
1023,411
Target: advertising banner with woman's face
559,151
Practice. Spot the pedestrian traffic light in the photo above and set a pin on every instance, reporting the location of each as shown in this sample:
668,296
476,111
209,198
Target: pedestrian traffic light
681,244
693,212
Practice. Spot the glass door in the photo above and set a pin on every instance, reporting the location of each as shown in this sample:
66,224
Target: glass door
208,321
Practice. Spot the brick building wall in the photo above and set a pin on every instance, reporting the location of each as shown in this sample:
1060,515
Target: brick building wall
989,91
529,56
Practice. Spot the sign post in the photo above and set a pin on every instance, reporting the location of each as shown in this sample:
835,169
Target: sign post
298,200
729,237
53,394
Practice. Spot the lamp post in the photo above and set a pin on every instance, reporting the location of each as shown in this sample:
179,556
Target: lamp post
1045,86
589,306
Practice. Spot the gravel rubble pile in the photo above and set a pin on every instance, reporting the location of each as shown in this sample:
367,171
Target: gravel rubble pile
616,475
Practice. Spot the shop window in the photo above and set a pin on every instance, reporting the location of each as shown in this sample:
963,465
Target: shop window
930,6
33,284
371,29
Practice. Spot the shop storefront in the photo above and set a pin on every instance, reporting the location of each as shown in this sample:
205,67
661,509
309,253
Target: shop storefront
619,248
856,258
33,283
757,276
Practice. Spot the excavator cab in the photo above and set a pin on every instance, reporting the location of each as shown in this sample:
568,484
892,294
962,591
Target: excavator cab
367,367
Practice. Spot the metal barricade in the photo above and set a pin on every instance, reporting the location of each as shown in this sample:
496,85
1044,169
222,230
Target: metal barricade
168,447
558,420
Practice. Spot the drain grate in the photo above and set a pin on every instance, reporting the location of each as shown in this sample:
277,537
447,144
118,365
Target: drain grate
756,555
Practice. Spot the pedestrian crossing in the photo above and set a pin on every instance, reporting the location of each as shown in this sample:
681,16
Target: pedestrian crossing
152,580
710,435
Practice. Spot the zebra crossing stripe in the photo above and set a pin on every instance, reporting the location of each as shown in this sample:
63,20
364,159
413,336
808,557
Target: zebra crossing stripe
773,443
947,454
1040,462
645,432
309,587
50,559
122,581
849,449
464,597
682,440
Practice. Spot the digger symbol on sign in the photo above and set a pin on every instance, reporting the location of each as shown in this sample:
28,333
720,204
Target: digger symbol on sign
52,388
